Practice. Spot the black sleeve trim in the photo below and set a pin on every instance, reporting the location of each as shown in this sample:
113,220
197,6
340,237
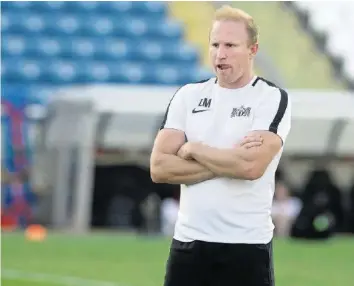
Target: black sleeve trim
266,81
168,108
283,104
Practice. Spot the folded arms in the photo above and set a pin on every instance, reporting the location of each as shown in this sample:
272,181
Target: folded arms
175,161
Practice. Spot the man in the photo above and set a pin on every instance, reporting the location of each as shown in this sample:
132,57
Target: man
285,209
222,140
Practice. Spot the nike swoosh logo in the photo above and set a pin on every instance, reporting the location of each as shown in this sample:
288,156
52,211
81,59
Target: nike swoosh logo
201,110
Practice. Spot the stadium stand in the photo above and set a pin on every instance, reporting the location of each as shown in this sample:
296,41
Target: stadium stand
331,24
47,45
290,39
86,42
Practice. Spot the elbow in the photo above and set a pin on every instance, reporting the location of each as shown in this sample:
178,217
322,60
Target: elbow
156,176
156,171
253,172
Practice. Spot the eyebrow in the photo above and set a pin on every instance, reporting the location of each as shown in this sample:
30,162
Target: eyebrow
225,43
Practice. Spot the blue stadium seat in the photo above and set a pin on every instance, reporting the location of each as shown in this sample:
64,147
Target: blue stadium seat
128,72
169,29
180,52
49,6
82,7
16,5
64,72
47,47
95,71
114,49
97,26
13,46
167,74
64,25
22,70
5,23
33,23
82,48
86,7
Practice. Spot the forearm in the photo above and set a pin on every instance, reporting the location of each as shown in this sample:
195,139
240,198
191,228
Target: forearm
171,169
235,163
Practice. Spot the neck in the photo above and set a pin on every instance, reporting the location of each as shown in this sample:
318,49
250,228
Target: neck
240,82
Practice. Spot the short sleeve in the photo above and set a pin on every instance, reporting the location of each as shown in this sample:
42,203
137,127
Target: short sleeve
274,114
175,115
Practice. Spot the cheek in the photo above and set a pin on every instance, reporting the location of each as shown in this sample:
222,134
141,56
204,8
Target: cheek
212,55
241,55
241,59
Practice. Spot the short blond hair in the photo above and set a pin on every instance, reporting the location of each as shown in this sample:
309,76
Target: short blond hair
227,12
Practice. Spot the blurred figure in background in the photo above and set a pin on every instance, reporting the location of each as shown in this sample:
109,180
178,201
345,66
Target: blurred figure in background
16,200
322,213
351,210
169,211
285,209
169,214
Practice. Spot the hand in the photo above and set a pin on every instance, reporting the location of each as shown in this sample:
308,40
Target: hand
185,152
251,141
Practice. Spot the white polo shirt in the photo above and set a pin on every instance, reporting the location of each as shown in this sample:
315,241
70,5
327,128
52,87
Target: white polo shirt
223,209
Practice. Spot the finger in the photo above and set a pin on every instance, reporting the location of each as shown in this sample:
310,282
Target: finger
253,138
245,141
183,155
250,139
252,144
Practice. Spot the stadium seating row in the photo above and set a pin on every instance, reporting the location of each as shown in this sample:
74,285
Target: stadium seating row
89,25
99,49
334,20
57,71
155,9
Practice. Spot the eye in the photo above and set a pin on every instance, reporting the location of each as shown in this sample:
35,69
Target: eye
215,45
229,45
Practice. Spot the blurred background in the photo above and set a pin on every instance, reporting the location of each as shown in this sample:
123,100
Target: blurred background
84,89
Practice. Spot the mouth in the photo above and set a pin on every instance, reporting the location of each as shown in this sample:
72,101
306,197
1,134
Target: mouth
222,67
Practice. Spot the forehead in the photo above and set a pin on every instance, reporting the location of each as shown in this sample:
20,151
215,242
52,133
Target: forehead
228,31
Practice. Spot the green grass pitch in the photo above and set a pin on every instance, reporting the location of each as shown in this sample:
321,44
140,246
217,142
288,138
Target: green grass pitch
122,260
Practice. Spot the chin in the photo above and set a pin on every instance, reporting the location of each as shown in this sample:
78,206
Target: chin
225,78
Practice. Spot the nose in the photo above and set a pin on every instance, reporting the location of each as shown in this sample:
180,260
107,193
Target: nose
221,52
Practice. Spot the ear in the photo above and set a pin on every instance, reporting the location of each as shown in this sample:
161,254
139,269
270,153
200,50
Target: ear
254,49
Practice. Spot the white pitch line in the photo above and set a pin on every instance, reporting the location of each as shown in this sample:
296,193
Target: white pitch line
13,274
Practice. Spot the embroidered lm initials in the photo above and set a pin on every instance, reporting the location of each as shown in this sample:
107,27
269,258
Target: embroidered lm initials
204,104
241,112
